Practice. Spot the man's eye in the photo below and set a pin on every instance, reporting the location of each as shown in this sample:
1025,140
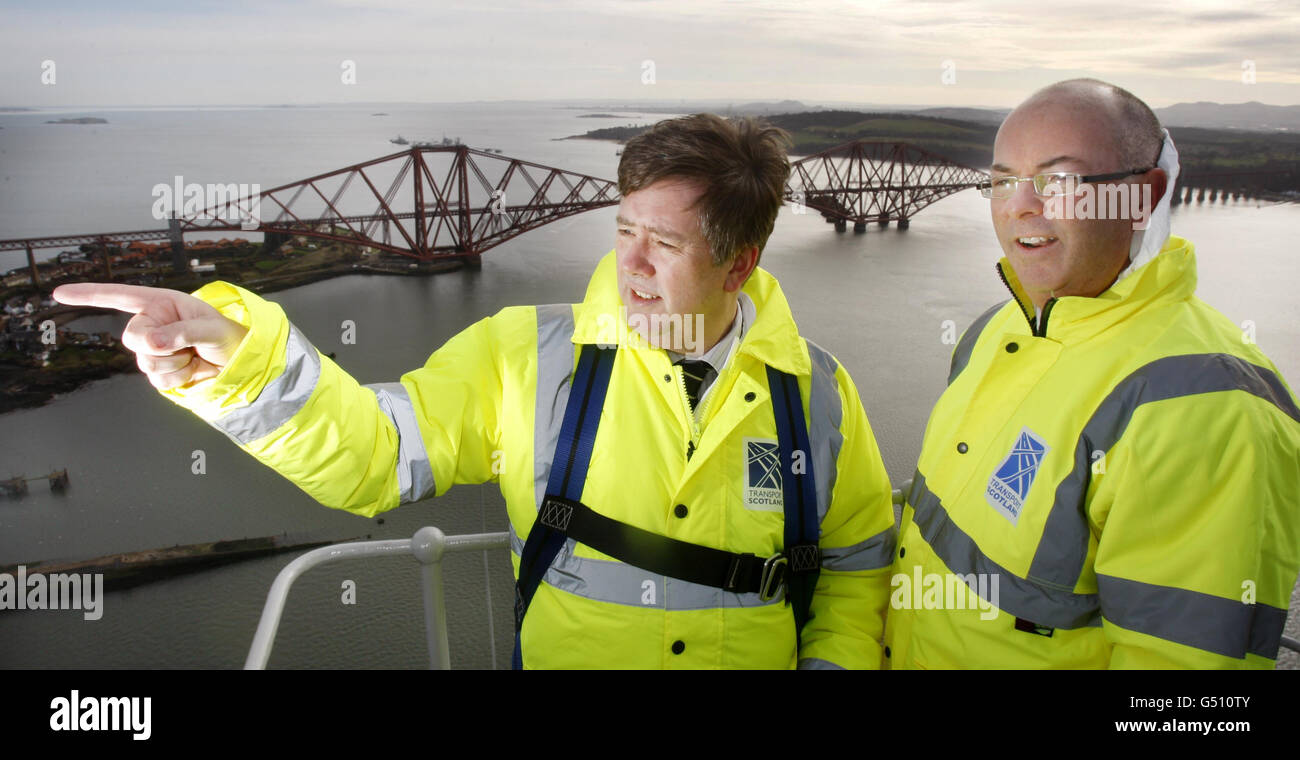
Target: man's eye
624,231
667,244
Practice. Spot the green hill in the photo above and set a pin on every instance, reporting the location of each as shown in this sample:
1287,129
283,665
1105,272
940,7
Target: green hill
1201,151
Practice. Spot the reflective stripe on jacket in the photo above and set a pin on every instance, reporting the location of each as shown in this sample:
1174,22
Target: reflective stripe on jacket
487,406
1121,489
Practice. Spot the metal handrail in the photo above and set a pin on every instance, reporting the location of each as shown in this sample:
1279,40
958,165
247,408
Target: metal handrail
428,546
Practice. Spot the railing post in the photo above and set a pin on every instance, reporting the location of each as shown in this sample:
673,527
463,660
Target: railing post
428,546
900,494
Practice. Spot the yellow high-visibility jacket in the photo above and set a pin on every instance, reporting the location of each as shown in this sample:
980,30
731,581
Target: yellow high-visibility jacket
488,405
1116,487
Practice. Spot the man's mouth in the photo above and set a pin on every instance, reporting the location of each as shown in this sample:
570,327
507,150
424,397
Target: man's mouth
1032,242
643,296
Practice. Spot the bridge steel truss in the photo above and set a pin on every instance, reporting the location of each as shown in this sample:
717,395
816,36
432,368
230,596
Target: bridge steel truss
453,202
864,181
425,203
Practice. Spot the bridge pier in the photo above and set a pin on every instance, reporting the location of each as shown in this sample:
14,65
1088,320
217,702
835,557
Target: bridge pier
31,263
271,241
841,225
178,245
108,258
859,228
472,261
904,223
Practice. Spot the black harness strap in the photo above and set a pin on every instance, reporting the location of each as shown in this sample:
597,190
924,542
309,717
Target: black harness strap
662,555
562,514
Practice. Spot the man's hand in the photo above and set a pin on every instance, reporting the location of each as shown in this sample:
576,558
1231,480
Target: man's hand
177,339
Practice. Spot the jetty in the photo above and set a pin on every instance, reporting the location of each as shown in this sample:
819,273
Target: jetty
17,486
134,568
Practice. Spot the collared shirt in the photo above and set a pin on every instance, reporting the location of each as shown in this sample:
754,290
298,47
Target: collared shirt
720,354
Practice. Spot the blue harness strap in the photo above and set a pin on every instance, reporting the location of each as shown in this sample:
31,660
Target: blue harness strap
568,473
799,492
573,456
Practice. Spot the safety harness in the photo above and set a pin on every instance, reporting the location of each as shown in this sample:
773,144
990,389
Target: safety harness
563,516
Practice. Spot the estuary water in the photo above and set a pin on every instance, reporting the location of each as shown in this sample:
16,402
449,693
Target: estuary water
878,300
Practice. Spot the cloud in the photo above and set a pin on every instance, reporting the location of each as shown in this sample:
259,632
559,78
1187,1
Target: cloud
282,52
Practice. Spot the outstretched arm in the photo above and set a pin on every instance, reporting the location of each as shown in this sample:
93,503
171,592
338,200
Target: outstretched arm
364,449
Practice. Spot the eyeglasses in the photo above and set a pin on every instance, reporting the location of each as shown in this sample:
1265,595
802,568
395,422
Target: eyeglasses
1049,184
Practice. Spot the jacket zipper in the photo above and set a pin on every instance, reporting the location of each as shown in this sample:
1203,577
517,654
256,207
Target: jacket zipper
1028,317
699,413
690,415
1041,331
1037,327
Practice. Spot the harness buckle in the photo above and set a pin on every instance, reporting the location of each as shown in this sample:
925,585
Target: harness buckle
773,576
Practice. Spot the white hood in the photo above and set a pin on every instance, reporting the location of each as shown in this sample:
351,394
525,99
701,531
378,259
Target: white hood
1148,242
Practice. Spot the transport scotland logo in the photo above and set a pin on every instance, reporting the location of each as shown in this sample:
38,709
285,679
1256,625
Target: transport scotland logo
763,476
1010,482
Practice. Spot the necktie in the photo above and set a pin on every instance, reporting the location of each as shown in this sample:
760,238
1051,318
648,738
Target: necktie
695,372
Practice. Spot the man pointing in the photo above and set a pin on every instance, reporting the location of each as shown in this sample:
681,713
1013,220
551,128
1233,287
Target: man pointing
689,482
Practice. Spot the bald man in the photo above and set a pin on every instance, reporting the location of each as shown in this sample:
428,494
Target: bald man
1112,476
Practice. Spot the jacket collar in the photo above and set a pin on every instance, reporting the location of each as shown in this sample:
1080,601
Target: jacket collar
1167,278
772,339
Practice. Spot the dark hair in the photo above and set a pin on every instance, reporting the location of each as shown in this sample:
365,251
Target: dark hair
742,165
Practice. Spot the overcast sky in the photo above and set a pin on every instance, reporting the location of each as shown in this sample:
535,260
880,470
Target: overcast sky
156,52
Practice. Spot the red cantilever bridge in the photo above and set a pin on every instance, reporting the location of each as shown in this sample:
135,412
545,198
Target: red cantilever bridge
440,203
861,182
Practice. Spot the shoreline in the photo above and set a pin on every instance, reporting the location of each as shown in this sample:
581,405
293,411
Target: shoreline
28,386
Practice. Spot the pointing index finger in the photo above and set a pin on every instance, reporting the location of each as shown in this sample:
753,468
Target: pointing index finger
128,298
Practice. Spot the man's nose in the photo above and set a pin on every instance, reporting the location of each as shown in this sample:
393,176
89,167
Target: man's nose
636,259
1023,201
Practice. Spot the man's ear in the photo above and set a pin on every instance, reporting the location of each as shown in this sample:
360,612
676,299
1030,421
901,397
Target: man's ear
741,267
1159,180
